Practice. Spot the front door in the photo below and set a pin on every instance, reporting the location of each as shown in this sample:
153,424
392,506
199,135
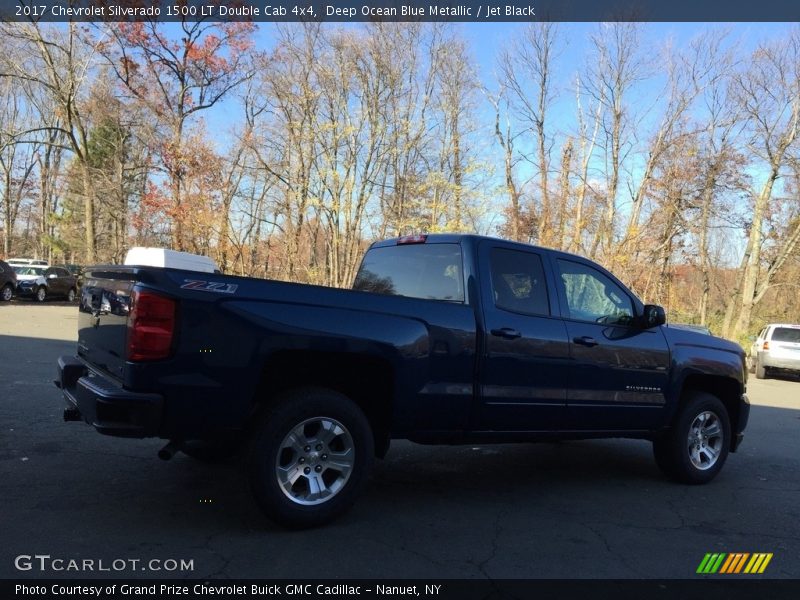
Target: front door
620,370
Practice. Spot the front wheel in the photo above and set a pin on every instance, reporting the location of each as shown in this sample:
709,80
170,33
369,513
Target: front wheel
7,293
310,457
695,448
41,294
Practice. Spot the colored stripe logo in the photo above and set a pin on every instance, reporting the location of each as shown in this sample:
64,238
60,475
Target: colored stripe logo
734,563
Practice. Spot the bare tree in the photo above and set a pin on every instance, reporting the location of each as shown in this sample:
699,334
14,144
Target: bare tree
769,96
176,80
689,72
617,65
527,70
17,159
588,142
59,61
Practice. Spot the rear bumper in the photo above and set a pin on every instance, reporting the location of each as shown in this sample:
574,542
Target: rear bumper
741,422
780,362
105,405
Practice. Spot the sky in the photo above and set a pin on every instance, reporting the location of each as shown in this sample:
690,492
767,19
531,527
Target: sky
485,40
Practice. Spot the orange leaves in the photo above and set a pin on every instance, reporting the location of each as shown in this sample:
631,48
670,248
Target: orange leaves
216,51
188,195
134,34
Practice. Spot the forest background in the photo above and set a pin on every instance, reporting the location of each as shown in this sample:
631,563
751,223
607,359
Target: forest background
670,155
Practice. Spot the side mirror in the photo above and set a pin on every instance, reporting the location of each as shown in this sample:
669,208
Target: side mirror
653,316
52,276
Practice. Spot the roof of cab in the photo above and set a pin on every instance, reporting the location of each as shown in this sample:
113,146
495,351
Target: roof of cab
456,238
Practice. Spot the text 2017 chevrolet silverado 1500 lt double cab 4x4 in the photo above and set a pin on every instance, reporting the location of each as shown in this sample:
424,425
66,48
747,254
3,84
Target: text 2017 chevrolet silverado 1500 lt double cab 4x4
444,339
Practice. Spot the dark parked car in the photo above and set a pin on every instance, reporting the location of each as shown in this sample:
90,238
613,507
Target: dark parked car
76,271
444,339
42,283
8,281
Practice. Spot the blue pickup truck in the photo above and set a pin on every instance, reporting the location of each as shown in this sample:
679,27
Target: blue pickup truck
444,339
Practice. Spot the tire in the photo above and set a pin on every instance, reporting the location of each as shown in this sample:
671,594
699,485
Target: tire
41,294
694,450
211,451
7,293
760,370
328,434
71,295
751,364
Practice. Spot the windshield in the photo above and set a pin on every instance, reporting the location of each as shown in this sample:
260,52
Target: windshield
29,270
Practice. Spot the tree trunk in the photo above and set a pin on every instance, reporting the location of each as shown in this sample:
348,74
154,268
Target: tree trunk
89,216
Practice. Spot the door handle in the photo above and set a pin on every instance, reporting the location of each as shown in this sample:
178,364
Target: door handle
585,341
507,333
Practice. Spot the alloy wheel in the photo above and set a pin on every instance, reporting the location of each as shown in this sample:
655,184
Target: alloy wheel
315,460
705,440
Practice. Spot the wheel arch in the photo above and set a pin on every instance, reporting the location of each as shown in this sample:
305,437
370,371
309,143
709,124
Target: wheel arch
727,389
365,379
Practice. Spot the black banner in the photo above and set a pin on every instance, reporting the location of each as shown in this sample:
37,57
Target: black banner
706,589
343,11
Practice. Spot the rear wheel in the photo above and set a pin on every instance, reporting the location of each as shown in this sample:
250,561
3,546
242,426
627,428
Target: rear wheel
310,457
761,370
696,447
41,294
7,293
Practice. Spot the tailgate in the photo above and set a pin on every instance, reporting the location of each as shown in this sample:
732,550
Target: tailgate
103,318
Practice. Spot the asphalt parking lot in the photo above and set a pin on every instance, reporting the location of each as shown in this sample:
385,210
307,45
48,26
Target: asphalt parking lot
567,510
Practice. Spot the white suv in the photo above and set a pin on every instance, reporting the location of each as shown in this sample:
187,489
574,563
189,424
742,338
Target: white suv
776,347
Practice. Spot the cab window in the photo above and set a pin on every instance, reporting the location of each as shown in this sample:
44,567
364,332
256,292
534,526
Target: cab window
592,296
429,271
518,283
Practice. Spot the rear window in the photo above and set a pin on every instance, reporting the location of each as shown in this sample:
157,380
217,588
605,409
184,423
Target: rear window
429,271
786,334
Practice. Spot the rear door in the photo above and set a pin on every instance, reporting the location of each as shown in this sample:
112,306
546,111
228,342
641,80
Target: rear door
620,370
525,359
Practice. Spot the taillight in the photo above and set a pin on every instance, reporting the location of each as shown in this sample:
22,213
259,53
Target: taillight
765,345
151,325
412,239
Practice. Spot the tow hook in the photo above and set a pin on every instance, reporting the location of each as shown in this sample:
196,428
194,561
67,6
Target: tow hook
170,449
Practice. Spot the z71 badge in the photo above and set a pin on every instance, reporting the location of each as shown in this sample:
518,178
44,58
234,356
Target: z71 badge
209,286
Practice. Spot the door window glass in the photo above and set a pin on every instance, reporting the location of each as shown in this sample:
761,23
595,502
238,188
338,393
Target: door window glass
591,296
518,282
